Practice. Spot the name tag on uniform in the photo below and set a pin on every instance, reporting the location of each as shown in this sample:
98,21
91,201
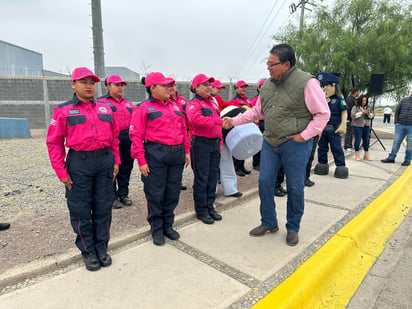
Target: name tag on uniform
74,111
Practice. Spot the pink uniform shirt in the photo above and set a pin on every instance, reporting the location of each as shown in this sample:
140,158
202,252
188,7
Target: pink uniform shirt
204,117
122,110
158,122
240,101
84,127
315,103
254,100
181,101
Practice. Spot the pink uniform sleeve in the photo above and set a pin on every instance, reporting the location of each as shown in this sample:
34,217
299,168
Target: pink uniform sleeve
251,115
186,140
55,144
137,134
318,107
114,146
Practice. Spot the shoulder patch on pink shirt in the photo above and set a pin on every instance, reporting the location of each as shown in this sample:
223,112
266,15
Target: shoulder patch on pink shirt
102,109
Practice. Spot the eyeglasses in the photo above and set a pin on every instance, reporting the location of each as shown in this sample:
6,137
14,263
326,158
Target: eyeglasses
271,65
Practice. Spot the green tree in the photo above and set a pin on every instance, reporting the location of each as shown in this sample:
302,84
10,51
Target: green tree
357,38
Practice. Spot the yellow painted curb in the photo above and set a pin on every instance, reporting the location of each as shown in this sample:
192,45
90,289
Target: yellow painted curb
331,276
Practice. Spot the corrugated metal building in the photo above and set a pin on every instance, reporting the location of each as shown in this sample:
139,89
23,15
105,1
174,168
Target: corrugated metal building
19,61
125,73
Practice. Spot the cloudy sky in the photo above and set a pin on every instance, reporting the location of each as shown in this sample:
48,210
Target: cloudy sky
227,39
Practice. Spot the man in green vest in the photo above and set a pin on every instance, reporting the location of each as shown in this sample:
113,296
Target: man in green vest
295,110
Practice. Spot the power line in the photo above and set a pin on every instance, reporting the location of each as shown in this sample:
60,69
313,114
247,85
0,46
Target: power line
267,29
257,36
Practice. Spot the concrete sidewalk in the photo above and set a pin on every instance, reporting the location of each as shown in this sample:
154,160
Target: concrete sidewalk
220,265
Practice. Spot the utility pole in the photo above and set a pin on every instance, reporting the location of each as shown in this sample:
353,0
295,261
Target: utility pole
98,47
302,13
302,4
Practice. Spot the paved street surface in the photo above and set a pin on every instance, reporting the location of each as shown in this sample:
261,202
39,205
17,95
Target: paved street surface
221,266
389,284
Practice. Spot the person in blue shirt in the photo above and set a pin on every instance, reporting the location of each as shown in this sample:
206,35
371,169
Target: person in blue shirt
335,128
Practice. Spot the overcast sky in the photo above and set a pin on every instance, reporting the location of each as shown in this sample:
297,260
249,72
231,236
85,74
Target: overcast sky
181,38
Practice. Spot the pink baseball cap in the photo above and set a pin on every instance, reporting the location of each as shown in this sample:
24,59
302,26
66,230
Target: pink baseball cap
115,79
200,79
157,78
260,83
218,84
241,83
80,73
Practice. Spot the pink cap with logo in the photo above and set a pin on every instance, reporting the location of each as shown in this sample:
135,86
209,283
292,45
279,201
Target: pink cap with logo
80,73
115,79
200,79
218,84
157,78
241,83
260,83
174,82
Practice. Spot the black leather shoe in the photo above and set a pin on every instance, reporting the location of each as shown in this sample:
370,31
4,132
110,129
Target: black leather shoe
237,194
387,160
279,192
256,168
171,234
158,239
91,262
283,189
261,230
247,172
406,163
116,204
240,173
4,226
215,215
292,239
182,187
126,201
105,259
308,182
206,219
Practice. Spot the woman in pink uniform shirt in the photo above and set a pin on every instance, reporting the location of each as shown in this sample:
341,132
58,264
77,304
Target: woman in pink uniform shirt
161,146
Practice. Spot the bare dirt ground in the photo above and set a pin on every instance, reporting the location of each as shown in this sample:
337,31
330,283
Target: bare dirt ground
32,201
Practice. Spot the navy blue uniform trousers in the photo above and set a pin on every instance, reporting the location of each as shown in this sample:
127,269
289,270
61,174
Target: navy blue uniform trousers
334,139
121,183
91,198
205,159
162,185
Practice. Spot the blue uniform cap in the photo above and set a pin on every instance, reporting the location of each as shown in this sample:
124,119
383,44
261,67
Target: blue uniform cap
327,78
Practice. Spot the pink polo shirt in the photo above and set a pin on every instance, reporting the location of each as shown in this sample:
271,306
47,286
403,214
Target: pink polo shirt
315,102
160,122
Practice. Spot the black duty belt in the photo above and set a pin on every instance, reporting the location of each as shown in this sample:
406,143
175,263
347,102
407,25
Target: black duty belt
169,148
331,127
207,140
124,132
93,153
